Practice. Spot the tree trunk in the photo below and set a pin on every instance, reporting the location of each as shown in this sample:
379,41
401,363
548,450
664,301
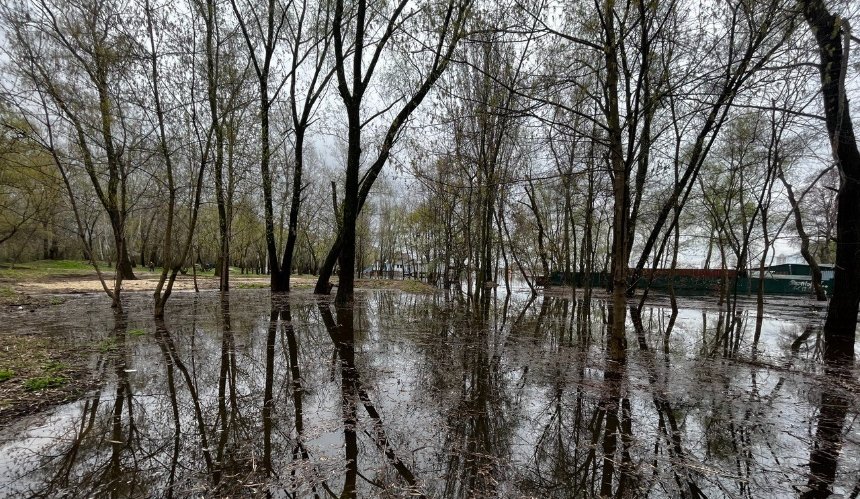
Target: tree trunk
346,274
620,190
295,202
123,262
223,270
841,323
820,295
532,195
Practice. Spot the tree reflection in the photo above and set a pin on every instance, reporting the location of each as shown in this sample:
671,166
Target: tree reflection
526,398
227,418
832,413
342,334
102,474
667,423
615,409
300,451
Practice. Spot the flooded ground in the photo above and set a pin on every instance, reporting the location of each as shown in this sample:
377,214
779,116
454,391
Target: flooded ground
428,396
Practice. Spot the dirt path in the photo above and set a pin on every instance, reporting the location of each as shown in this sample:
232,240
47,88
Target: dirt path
145,282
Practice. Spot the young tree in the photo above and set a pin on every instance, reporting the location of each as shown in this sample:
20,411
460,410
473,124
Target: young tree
310,43
173,255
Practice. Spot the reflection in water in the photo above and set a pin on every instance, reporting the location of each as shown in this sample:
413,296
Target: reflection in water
413,395
342,334
832,414
227,416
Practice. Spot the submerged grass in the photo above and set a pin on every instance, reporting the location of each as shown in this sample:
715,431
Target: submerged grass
107,345
54,366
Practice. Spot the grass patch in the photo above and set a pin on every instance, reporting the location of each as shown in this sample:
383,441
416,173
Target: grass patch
253,285
8,296
43,382
55,366
51,379
40,371
45,268
61,265
137,332
107,345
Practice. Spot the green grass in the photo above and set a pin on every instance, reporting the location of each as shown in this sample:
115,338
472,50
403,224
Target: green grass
44,268
107,345
6,374
136,332
62,265
51,379
252,285
43,382
54,366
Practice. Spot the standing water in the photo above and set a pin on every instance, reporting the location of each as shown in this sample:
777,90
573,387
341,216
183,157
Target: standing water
408,394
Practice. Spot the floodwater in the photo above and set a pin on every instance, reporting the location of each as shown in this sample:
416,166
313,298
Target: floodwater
427,396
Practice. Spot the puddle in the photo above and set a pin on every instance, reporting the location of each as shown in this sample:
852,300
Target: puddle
424,396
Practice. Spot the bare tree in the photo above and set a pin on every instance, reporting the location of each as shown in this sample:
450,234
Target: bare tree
353,25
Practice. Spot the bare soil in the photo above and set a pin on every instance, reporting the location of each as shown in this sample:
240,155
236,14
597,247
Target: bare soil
32,290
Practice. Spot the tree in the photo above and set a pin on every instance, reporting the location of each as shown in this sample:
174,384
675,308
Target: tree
173,258
833,35
29,186
79,57
267,35
311,41
355,70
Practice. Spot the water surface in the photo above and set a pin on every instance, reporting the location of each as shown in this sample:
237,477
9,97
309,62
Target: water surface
426,395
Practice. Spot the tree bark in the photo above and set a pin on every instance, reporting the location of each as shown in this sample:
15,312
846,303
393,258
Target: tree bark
829,30
123,262
620,189
209,14
346,274
295,202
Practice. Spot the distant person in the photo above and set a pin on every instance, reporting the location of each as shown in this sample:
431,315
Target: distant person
151,266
